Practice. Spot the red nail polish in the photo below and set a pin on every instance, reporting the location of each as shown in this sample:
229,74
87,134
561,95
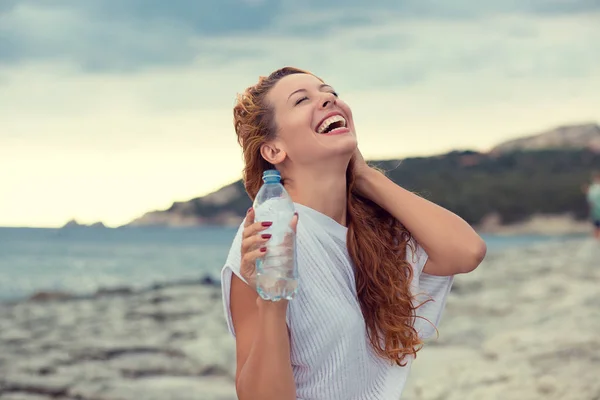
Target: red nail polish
263,249
267,223
266,235
248,212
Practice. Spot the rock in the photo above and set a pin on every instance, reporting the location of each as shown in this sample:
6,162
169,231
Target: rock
117,291
50,296
51,386
207,280
74,224
546,385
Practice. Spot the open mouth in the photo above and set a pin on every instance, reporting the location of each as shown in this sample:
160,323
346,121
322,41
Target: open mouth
331,124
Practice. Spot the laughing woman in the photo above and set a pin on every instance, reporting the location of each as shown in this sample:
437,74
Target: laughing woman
376,262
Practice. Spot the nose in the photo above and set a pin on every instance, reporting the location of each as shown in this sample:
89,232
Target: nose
328,100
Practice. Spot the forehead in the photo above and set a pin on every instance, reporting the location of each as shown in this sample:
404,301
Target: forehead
289,84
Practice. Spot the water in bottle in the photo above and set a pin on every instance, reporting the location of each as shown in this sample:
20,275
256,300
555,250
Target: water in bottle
276,272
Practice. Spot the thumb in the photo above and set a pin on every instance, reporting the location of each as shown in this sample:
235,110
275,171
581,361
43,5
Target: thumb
294,222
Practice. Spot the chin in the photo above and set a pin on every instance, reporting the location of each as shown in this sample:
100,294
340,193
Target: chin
335,148
344,145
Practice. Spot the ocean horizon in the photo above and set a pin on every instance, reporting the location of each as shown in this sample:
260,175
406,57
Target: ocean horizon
81,261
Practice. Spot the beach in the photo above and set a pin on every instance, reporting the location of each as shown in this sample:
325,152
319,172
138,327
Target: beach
522,326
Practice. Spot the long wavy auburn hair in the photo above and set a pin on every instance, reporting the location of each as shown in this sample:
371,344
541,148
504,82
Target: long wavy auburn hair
376,240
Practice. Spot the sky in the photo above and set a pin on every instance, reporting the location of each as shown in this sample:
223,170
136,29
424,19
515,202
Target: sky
112,108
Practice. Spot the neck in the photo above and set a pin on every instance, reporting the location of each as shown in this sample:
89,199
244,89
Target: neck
325,193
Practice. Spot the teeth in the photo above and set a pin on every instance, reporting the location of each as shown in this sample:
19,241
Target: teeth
329,121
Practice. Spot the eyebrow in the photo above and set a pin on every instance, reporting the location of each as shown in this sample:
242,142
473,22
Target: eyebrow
323,86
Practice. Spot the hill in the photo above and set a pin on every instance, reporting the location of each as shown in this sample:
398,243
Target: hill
537,175
564,137
226,206
73,224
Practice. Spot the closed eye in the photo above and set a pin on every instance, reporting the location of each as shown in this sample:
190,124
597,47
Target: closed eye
300,100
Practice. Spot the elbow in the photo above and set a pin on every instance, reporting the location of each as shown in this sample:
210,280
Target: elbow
244,392
250,388
474,255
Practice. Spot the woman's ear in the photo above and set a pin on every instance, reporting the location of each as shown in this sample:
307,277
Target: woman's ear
272,153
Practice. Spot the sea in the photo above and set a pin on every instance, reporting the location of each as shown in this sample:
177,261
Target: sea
83,260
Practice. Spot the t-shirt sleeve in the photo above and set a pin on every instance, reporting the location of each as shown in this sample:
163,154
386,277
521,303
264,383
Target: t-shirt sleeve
232,266
431,290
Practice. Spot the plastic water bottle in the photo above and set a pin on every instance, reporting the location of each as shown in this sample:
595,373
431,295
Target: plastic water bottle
276,271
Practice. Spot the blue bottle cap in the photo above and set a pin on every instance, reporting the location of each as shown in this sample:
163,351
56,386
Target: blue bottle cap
271,175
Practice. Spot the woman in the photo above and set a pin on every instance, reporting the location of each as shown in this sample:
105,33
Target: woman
365,246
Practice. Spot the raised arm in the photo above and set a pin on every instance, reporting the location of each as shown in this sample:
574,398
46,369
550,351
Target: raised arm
452,245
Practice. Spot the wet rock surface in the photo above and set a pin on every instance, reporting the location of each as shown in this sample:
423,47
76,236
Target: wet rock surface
165,343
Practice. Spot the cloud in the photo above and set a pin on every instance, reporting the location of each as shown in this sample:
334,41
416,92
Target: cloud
501,52
114,35
127,36
62,34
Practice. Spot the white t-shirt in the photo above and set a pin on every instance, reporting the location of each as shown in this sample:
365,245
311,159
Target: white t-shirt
331,356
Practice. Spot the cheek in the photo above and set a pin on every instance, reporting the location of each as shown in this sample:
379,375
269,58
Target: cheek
346,108
298,123
296,130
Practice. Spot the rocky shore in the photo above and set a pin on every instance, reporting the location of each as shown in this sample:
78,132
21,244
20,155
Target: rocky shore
163,343
523,326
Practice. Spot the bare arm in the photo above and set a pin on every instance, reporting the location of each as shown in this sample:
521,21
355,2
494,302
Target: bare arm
452,245
264,369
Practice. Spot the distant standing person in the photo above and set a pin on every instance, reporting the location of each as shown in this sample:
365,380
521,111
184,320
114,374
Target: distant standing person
593,197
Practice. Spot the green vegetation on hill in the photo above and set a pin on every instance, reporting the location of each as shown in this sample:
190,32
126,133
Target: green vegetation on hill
514,185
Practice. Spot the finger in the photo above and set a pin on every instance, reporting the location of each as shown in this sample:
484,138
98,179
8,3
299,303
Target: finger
253,242
250,258
249,217
255,228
